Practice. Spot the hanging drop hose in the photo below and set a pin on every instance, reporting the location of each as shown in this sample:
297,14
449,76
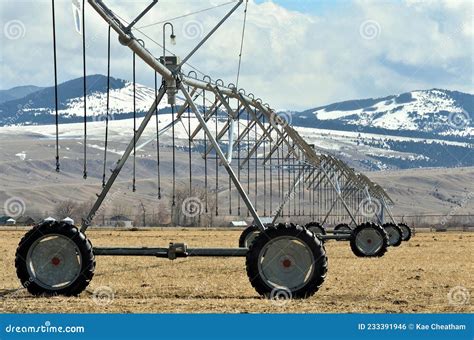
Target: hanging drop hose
84,85
278,173
157,139
173,200
248,160
255,159
289,178
264,176
217,167
189,152
134,188
107,109
294,181
238,163
206,209
271,175
55,87
229,154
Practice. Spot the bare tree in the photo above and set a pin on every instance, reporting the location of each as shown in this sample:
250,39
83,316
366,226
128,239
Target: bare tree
121,209
83,210
190,207
162,216
143,209
65,209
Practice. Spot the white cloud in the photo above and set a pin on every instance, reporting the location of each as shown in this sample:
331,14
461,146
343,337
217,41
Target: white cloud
290,60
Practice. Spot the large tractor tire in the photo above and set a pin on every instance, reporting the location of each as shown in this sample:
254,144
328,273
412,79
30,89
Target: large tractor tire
394,234
369,240
316,228
406,231
287,261
55,258
248,235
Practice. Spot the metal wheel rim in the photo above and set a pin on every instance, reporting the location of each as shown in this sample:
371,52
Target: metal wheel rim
392,235
286,262
54,261
250,238
405,232
316,230
369,241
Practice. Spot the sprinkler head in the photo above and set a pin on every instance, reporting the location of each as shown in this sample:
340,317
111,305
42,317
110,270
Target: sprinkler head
173,39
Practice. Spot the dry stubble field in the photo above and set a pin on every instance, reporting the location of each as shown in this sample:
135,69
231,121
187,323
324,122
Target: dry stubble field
415,277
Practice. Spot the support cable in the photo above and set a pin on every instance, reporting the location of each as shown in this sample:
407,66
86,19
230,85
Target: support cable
186,15
242,43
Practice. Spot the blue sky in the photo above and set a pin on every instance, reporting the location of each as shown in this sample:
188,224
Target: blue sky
297,54
317,7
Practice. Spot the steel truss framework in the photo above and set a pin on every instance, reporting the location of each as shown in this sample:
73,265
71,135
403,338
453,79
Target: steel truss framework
325,188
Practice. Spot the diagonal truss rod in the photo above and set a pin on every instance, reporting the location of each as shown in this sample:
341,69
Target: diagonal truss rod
101,197
288,195
223,158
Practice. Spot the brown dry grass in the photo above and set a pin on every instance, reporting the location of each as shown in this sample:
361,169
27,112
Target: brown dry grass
416,277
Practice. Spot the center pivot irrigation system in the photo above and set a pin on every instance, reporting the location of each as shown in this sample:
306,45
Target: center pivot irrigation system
249,140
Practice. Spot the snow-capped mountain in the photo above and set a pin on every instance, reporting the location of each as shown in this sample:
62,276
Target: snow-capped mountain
423,113
39,108
426,128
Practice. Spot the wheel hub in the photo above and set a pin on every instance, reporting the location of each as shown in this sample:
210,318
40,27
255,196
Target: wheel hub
288,263
55,261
